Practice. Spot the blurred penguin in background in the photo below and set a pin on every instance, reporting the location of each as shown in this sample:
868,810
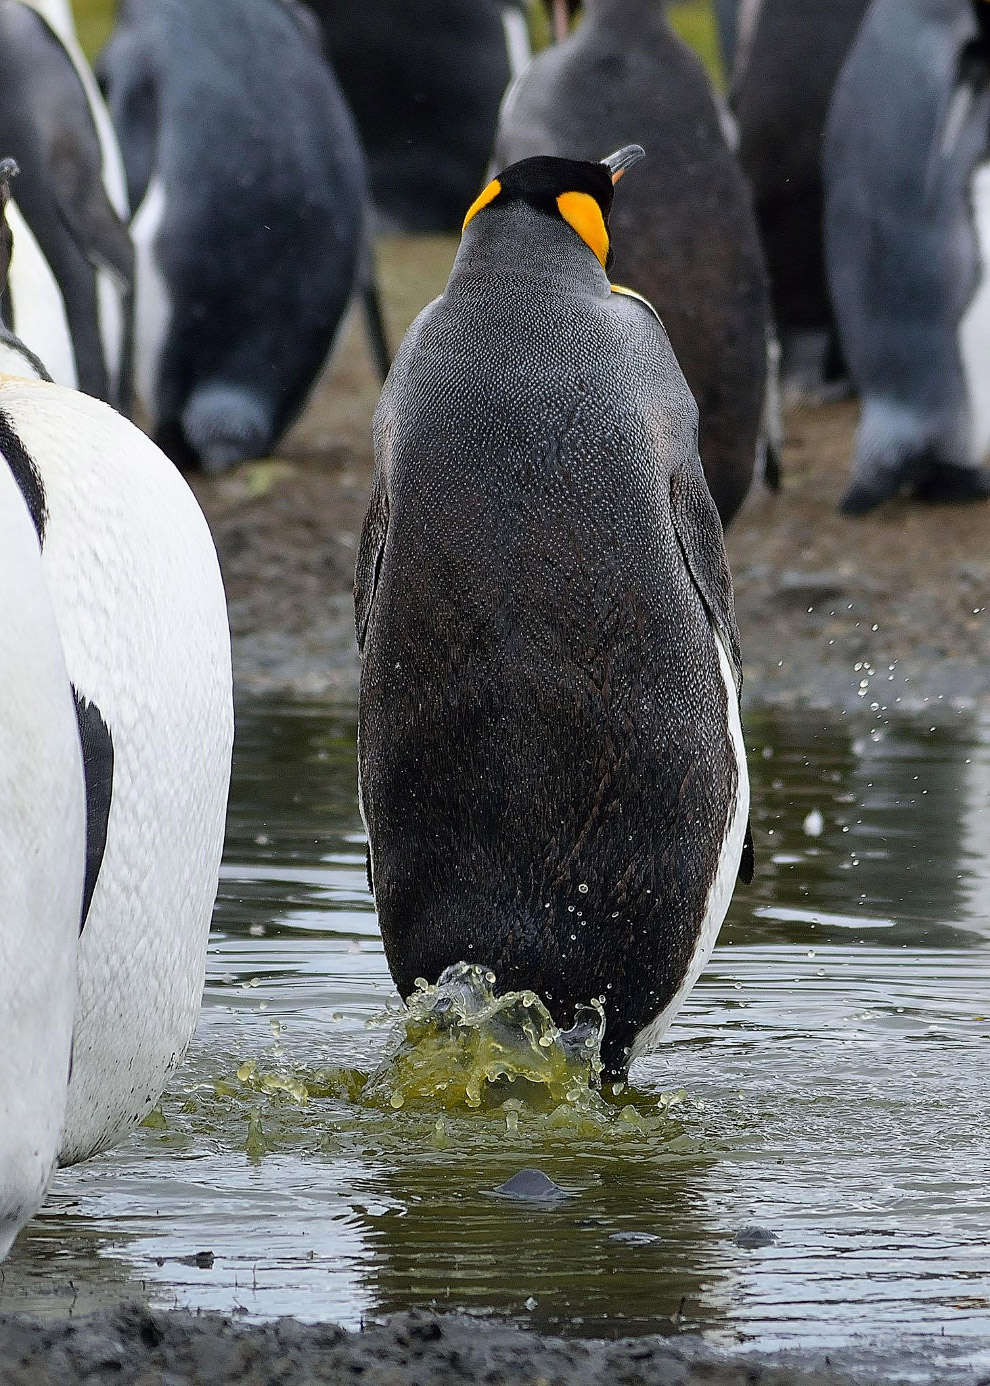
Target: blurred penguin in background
248,180
70,289
787,59
424,79
685,235
907,231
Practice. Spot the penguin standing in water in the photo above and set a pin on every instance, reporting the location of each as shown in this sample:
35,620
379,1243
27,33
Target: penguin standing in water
424,79
42,850
71,279
552,770
907,231
135,586
244,167
790,54
685,233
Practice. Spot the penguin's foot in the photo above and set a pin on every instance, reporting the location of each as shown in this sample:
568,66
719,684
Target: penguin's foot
948,484
225,425
867,492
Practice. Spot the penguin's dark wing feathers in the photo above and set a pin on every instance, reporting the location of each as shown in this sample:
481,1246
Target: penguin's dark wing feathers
85,208
699,534
97,754
374,532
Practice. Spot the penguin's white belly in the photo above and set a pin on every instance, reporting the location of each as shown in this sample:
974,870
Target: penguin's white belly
136,587
724,883
153,308
974,329
38,307
42,856
110,310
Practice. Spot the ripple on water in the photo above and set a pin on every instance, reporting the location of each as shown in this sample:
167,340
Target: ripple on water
827,1084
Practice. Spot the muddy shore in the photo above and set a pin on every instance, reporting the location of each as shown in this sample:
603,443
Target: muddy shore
891,609
136,1345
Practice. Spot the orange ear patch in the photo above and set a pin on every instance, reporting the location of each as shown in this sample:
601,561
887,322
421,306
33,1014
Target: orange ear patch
582,212
487,195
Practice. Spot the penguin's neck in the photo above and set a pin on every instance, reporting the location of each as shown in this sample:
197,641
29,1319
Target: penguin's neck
517,243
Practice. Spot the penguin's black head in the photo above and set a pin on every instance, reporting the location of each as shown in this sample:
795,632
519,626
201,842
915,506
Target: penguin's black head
568,190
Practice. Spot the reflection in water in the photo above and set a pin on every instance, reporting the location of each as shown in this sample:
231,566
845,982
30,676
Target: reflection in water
833,1061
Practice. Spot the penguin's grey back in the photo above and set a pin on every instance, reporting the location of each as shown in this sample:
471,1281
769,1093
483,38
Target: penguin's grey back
684,233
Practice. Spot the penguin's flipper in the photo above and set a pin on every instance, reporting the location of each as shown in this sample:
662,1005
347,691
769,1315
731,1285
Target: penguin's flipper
369,560
699,534
87,211
747,862
97,754
375,529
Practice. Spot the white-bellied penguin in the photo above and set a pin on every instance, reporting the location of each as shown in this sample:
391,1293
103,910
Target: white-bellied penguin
685,233
907,240
70,285
135,585
552,770
248,183
42,857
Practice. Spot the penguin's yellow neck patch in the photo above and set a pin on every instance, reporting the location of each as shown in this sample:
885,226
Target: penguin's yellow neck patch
487,195
582,212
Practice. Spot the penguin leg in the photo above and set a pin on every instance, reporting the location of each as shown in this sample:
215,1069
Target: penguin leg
893,446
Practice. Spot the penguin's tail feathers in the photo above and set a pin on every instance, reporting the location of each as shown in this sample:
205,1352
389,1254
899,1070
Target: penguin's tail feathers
226,424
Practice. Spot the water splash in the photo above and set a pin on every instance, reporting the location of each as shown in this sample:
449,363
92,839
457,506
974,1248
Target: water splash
460,1045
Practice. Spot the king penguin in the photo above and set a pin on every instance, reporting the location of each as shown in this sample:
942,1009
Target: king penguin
685,233
138,601
70,285
789,56
551,765
424,79
249,188
907,235
42,856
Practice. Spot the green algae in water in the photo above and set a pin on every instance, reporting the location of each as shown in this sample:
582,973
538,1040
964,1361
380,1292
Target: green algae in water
461,1046
464,1069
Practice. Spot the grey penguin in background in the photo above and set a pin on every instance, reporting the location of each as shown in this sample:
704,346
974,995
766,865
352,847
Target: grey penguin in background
551,765
248,180
789,55
71,238
907,236
424,79
685,233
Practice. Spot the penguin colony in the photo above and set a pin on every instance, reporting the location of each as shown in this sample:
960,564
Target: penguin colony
551,767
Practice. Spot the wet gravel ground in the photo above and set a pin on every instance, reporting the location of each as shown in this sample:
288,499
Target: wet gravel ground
891,609
135,1345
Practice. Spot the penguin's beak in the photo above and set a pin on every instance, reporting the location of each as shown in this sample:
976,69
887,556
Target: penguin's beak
561,20
622,159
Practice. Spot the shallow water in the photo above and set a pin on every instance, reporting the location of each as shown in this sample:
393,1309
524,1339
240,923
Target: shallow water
833,1064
